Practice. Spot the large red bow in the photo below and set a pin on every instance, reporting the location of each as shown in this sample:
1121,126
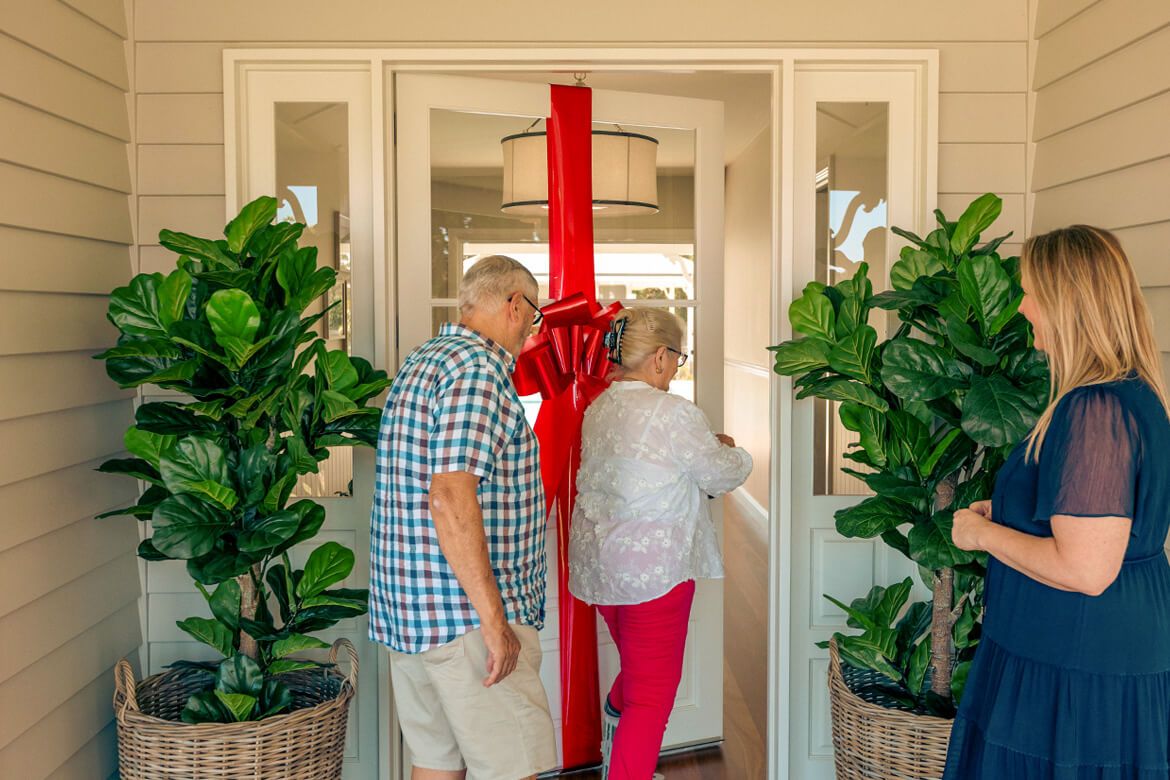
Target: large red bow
570,346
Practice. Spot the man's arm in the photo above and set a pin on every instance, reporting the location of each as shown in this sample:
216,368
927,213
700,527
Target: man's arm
458,520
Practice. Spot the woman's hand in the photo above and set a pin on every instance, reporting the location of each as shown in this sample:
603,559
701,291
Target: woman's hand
983,508
968,526
725,440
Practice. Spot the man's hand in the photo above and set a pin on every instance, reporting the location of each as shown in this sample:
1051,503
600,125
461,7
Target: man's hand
725,440
982,508
503,649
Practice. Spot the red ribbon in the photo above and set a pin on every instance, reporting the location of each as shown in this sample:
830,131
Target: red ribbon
566,363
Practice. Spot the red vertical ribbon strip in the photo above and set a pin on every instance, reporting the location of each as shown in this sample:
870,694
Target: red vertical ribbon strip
558,427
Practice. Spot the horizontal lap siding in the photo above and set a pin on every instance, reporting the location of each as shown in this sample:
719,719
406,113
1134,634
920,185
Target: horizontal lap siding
1102,81
70,582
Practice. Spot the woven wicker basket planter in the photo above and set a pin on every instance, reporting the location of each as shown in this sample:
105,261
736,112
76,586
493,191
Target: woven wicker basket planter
308,742
874,742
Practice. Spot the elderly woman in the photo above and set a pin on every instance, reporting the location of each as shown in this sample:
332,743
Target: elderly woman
641,532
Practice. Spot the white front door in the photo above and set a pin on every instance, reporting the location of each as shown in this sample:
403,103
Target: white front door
305,136
860,165
449,181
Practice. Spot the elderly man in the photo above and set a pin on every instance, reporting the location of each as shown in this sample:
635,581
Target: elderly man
458,559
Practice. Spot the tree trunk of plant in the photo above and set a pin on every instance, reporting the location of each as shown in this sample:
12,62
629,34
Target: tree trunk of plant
942,651
249,601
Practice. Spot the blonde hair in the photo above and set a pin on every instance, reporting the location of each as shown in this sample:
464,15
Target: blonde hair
644,332
493,277
1097,327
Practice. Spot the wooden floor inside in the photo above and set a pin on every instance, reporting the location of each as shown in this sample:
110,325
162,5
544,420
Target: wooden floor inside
742,755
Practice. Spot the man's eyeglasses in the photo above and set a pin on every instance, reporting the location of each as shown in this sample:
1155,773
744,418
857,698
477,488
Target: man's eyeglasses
682,356
539,314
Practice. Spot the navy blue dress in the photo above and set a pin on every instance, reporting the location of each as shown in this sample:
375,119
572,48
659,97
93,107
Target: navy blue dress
1066,686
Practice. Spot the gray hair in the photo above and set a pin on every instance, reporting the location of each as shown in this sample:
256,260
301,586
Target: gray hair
494,277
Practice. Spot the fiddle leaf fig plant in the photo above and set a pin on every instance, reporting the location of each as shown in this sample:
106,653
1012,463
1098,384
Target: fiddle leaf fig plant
263,401
936,408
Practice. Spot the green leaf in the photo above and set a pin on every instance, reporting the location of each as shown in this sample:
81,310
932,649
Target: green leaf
210,632
986,288
198,465
855,294
996,413
857,618
979,216
172,419
240,705
270,240
186,527
160,350
919,664
870,518
917,371
240,674
275,495
852,356
913,624
275,699
963,626
846,391
219,565
930,543
339,372
225,604
871,427
959,680
296,643
328,564
148,552
967,342
927,466
289,665
335,405
172,297
302,281
263,533
800,356
301,460
134,309
234,320
205,707
131,467
251,218
209,251
913,265
147,445
312,518
866,653
812,314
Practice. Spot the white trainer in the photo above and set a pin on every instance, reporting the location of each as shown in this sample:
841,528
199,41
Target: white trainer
609,724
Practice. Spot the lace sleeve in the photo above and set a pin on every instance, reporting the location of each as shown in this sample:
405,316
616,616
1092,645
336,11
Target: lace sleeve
1090,459
715,468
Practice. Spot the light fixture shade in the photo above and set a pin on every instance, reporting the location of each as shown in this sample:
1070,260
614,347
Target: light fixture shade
625,174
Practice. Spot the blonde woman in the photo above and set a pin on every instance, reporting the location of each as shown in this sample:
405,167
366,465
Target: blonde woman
641,532
1072,676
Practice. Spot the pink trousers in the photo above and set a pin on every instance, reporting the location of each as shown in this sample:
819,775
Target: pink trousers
650,639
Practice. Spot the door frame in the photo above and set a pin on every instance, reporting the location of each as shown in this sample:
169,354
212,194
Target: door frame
781,64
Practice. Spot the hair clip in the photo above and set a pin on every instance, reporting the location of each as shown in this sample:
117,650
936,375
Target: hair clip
613,339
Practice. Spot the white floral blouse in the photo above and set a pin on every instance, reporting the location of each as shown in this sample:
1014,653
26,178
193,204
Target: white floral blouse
641,526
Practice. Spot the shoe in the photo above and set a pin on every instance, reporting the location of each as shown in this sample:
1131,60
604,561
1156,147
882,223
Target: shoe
659,776
609,724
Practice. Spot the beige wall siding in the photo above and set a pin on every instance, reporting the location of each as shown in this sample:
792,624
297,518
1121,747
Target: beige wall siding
70,582
1102,153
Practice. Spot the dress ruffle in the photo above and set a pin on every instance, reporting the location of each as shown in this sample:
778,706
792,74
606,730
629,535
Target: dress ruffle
1022,719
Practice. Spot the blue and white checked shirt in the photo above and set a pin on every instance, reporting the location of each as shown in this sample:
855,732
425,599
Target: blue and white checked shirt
453,408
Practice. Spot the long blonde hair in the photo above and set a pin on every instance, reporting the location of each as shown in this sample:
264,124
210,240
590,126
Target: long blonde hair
1097,327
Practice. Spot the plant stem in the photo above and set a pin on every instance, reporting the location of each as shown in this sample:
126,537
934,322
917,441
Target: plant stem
249,601
942,651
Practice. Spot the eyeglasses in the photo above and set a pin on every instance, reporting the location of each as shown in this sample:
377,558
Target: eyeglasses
539,314
682,356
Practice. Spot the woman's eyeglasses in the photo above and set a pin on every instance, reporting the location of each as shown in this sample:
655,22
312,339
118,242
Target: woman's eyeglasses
682,356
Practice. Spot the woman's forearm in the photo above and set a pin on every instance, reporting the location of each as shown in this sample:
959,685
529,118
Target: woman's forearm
1035,556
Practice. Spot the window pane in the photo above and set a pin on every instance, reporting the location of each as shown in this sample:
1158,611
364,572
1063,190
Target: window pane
312,187
851,222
